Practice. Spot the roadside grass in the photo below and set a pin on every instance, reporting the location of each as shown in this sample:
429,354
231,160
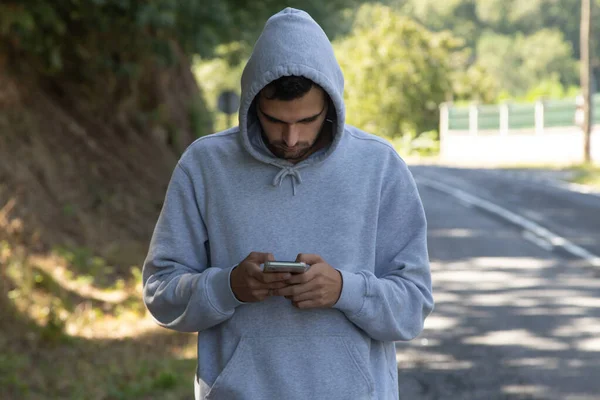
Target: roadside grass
64,337
586,174
583,174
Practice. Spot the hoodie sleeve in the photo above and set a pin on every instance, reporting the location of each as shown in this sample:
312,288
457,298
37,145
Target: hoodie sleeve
392,303
181,290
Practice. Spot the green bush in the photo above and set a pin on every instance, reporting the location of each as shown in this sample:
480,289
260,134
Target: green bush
397,72
105,35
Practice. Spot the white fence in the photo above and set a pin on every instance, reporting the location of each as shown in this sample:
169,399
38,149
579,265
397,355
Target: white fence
505,146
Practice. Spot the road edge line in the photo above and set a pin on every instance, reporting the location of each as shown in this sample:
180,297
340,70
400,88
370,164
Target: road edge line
514,218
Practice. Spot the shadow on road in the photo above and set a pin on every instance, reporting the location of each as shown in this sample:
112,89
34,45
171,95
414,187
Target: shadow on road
512,321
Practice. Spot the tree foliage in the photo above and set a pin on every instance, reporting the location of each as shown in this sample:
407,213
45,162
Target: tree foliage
83,38
62,36
513,39
397,72
520,62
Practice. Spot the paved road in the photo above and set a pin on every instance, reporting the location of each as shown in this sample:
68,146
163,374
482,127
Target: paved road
572,215
512,320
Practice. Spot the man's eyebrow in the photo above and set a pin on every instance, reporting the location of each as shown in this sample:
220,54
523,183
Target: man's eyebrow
307,119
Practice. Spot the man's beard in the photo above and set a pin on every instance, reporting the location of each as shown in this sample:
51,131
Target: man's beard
300,150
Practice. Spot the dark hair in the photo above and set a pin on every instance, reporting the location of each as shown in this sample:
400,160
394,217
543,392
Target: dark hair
287,88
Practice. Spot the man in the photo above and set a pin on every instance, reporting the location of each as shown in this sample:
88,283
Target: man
293,182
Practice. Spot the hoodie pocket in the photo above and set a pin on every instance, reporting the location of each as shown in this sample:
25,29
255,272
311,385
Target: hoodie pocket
294,367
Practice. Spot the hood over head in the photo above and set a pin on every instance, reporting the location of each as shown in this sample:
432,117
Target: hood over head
292,43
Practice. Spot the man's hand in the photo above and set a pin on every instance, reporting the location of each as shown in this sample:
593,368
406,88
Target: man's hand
248,282
319,287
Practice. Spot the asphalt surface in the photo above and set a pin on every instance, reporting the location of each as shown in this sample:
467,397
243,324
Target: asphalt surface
513,320
537,196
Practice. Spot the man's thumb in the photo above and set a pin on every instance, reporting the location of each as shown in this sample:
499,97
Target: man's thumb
260,258
310,259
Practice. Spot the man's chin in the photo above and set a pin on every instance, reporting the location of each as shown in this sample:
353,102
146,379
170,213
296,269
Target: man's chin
294,156
291,155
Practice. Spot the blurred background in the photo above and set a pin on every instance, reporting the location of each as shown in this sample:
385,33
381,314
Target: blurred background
493,103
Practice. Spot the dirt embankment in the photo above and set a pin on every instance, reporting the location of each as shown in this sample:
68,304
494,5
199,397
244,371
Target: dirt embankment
91,174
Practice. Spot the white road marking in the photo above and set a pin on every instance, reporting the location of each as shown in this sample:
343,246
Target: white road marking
538,241
551,239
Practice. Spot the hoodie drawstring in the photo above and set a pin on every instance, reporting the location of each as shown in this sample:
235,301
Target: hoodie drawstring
283,173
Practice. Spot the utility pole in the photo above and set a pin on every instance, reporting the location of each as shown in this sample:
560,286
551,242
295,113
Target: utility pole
585,75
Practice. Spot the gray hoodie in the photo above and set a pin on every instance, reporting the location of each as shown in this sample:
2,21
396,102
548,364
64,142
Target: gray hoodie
354,203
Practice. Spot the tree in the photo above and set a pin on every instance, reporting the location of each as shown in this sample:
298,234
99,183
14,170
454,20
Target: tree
586,11
397,72
480,21
520,62
84,39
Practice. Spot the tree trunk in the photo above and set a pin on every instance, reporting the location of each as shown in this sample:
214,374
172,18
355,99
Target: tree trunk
585,33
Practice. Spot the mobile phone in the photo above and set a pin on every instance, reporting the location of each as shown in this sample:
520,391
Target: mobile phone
285,266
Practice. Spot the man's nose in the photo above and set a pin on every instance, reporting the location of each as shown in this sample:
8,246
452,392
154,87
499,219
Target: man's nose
291,135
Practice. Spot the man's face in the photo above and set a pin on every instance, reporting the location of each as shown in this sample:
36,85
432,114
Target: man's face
292,127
